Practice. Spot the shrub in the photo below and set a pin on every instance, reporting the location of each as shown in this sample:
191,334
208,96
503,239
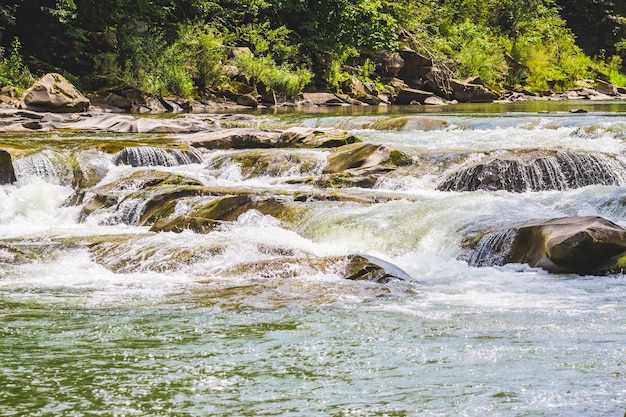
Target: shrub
13,72
280,78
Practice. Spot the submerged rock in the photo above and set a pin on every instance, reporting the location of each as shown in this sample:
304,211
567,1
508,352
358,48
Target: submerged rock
9,255
538,171
587,245
203,217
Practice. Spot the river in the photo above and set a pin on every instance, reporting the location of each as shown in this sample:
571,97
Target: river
166,325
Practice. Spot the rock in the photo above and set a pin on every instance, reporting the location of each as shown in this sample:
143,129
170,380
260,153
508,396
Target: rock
204,217
587,245
138,199
138,156
415,64
366,267
412,96
538,170
124,123
247,100
364,156
471,93
358,165
388,63
364,92
54,93
305,137
434,101
323,99
235,138
7,174
116,100
607,88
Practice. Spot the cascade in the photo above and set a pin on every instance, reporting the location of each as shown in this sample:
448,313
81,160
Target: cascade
151,156
493,248
560,171
35,166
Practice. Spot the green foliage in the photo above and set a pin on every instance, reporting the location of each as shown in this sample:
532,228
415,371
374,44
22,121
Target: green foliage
13,72
280,78
477,52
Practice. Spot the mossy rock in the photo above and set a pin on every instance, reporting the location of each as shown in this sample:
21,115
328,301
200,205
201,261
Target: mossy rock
365,156
274,163
394,123
204,218
154,187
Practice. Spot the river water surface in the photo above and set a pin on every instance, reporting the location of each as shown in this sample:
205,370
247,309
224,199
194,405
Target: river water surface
159,337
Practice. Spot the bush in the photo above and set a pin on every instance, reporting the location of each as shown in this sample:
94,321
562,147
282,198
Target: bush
13,72
280,78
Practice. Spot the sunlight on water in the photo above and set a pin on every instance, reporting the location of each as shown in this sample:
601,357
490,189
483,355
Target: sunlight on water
99,316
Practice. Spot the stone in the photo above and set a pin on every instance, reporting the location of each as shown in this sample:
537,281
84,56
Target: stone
370,268
388,63
365,155
323,99
412,96
54,93
471,93
584,245
607,88
247,100
235,138
305,137
415,64
7,174
537,170
204,218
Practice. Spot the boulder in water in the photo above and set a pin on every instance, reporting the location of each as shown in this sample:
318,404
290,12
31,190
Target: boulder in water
203,218
538,171
359,165
137,198
366,267
588,245
54,93
7,174
143,156
305,137
235,138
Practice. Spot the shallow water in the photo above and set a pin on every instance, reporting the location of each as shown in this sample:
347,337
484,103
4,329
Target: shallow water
172,325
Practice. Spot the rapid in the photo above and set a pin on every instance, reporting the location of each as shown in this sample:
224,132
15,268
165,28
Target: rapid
219,323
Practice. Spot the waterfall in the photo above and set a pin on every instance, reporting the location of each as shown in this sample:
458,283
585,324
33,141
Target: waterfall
560,171
35,166
493,248
151,156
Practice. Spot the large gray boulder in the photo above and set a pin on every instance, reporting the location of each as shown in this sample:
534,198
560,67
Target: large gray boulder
585,245
54,93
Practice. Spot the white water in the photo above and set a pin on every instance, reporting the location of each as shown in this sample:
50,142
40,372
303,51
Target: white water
169,324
